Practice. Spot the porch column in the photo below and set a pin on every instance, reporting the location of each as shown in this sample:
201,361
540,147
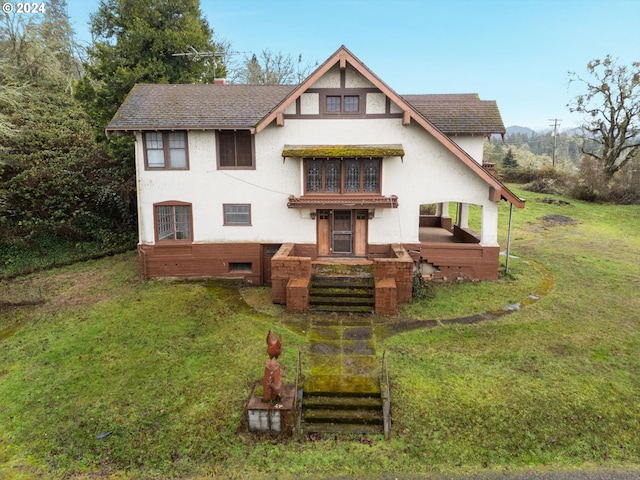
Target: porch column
489,225
445,219
442,210
463,215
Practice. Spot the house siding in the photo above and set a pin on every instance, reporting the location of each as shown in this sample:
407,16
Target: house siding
431,171
427,174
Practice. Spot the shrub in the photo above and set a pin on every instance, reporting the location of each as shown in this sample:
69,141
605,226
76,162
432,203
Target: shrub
593,184
624,188
421,289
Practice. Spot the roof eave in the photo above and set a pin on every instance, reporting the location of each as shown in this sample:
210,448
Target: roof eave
170,128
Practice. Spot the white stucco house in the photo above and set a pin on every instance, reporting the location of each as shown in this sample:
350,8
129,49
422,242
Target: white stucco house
335,168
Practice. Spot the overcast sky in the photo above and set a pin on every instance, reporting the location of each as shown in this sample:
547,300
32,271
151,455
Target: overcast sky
517,52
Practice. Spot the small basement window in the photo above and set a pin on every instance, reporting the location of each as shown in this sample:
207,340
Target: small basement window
240,267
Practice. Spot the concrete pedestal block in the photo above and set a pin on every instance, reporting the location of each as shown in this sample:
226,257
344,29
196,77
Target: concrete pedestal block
276,418
386,296
298,295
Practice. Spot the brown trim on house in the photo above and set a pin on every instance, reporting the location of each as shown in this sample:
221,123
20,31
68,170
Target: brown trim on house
410,113
166,152
367,116
343,151
354,201
170,259
323,93
253,151
461,261
175,128
343,180
172,203
224,215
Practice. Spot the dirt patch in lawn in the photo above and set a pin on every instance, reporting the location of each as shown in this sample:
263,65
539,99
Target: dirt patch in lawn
554,219
63,288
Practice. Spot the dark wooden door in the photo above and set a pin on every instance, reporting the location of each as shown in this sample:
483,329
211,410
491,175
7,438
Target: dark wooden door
268,251
324,232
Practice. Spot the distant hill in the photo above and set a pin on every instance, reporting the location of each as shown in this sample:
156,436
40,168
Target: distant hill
516,129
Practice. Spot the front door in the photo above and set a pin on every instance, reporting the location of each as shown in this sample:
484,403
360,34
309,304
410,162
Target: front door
342,232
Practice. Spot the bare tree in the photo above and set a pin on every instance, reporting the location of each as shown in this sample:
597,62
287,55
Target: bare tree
270,68
611,104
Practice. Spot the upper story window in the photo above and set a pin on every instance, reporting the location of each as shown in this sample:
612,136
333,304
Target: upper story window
342,104
349,175
166,150
235,149
173,221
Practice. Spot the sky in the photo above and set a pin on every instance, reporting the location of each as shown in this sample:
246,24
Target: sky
517,52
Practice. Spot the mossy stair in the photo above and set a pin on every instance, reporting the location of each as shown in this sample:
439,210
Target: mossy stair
343,410
342,293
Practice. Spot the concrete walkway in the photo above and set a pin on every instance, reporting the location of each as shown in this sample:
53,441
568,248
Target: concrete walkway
342,355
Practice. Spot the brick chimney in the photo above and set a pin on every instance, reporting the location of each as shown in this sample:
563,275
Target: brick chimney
490,167
219,81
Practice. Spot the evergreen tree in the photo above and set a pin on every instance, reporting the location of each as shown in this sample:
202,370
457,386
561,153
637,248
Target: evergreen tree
509,160
54,180
135,41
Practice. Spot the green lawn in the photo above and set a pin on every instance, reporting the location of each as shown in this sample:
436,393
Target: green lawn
164,368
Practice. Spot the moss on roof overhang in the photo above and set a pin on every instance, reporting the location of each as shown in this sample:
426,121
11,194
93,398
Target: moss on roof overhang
343,151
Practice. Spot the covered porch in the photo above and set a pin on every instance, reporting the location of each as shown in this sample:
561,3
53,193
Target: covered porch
451,251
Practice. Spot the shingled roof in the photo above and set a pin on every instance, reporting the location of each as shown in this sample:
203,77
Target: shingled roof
459,114
197,106
189,106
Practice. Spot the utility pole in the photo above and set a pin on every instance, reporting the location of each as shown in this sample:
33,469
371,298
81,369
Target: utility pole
555,126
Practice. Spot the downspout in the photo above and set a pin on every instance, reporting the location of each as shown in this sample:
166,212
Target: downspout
506,266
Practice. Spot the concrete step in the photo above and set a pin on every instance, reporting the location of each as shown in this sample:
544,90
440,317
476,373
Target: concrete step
342,300
342,402
351,412
341,428
342,416
361,269
343,309
343,385
341,281
342,294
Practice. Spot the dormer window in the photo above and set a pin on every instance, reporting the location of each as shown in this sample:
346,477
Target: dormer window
342,103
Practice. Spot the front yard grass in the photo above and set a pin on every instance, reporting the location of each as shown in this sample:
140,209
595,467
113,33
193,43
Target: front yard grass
102,374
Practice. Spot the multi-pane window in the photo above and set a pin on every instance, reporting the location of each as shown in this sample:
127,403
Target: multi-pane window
351,103
237,214
334,103
166,150
173,222
235,149
342,103
352,175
